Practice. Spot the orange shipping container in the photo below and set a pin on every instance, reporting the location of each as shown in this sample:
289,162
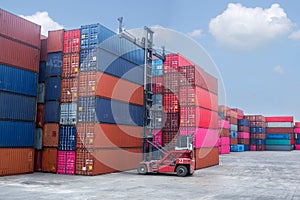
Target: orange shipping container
50,135
104,85
224,132
90,135
19,55
19,29
49,160
70,65
55,41
206,157
102,161
69,89
16,161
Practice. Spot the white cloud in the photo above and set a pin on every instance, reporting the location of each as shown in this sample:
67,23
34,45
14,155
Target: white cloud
195,33
246,28
46,22
278,69
295,35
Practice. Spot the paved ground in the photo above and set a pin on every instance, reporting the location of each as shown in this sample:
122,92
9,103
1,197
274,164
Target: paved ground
248,175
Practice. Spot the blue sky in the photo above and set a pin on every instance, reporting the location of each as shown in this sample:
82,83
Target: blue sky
255,44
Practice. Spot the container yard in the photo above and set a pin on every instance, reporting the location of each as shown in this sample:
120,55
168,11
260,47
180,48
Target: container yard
89,113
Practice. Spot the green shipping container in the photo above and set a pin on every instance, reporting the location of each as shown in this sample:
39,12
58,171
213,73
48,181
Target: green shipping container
278,142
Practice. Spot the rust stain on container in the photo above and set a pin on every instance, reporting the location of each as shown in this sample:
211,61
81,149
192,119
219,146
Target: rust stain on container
40,115
49,160
55,41
206,157
50,135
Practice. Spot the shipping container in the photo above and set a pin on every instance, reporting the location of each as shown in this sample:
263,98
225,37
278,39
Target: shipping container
171,83
224,141
233,127
224,133
233,134
38,137
68,113
19,29
43,51
157,84
70,65
157,137
279,147
157,68
203,138
279,130
38,161
102,110
157,101
171,121
232,120
280,119
278,136
224,149
244,129
55,41
52,112
53,89
243,122
18,80
42,72
233,141
50,135
41,93
278,142
54,64
174,61
224,124
240,113
103,85
206,157
16,134
94,135
67,138
261,136
257,130
243,135
17,107
16,161
297,124
157,119
66,162
40,115
245,141
171,103
169,139
19,55
279,124
297,130
72,41
49,160
99,161
258,124
69,90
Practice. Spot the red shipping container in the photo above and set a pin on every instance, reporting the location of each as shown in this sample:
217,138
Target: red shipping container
66,162
72,41
104,85
244,129
173,61
50,135
195,96
70,66
297,124
19,55
94,135
171,83
244,141
19,29
38,161
55,41
169,139
40,115
157,84
223,109
231,114
69,90
206,157
233,141
258,124
280,119
16,161
211,83
43,53
157,137
171,121
260,147
192,76
252,147
232,120
224,132
49,160
244,135
170,103
198,117
240,112
280,130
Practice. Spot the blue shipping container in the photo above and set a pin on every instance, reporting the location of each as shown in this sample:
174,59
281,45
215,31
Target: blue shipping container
243,122
278,136
51,112
53,88
54,64
240,148
18,80
233,148
67,138
257,130
157,68
257,141
233,134
247,147
38,136
233,127
42,72
17,107
109,111
16,134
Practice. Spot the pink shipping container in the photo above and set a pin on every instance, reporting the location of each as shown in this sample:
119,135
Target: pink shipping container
224,141
297,130
157,136
297,147
66,162
280,119
240,113
173,61
244,135
19,29
252,147
224,149
224,124
19,55
202,137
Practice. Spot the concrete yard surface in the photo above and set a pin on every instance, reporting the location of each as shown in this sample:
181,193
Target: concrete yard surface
246,175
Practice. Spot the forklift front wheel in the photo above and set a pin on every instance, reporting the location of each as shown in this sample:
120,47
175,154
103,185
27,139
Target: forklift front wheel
181,170
142,169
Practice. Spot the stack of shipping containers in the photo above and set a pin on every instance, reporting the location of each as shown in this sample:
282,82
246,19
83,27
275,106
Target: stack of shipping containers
297,135
231,116
280,133
243,131
257,132
224,136
19,67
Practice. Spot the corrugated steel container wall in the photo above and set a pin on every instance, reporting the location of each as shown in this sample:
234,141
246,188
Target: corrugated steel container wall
68,113
170,121
72,41
280,119
101,60
170,103
38,161
19,55
157,67
20,29
93,135
173,61
52,111
55,41
40,115
70,65
53,89
279,124
280,130
171,83
18,80
278,142
278,136
109,111
16,134
169,139
69,90
42,72
67,138
41,93
66,162
98,161
49,160
206,157
16,161
43,53
17,107
54,64
279,147
297,124
50,135
103,85
38,137
157,84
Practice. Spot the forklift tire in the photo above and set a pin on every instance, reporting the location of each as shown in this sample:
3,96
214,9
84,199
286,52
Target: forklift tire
181,171
142,169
